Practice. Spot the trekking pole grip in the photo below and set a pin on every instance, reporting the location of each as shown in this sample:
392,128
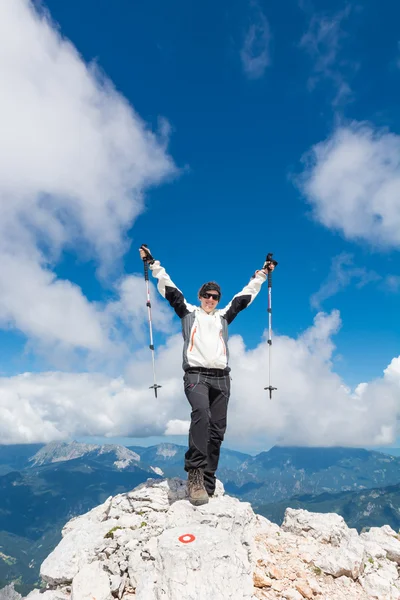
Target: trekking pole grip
269,259
146,270
146,260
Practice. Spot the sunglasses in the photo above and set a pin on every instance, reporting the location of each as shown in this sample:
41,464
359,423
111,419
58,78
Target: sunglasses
213,296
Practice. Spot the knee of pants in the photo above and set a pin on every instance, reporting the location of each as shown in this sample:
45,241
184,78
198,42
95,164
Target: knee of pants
217,431
201,413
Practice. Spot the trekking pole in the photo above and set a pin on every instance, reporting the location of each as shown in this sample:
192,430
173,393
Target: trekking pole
269,259
148,304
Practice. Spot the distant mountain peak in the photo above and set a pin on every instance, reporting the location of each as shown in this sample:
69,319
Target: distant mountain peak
63,451
122,452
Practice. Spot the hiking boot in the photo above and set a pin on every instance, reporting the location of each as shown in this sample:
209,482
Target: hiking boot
195,486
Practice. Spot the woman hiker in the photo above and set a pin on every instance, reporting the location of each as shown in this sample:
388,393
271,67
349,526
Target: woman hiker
205,363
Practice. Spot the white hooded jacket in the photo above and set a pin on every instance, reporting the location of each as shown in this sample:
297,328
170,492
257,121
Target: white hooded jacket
205,334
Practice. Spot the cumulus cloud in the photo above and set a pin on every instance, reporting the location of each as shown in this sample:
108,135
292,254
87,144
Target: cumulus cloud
255,52
50,406
352,182
342,273
312,406
34,301
75,161
177,427
128,314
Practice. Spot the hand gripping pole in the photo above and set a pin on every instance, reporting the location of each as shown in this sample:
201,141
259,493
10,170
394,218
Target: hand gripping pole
274,262
155,386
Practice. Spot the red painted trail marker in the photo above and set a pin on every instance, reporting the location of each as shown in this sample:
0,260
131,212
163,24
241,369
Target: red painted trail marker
186,538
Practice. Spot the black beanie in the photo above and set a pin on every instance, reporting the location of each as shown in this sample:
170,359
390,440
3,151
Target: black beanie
207,287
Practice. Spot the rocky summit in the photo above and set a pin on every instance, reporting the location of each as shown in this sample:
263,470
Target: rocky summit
152,544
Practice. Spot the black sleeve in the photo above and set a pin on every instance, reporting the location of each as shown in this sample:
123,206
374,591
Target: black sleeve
238,304
242,300
177,301
168,290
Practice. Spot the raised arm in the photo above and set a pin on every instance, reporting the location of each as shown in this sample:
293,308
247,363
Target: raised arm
166,286
244,298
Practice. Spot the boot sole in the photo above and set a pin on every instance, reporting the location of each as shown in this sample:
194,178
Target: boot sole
198,501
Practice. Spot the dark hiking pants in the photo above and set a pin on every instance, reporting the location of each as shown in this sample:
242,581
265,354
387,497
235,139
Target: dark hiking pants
208,393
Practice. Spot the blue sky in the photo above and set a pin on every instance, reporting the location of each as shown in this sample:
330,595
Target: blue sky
275,129
241,141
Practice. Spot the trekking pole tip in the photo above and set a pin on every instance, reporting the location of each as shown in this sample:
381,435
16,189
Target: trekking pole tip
270,389
154,387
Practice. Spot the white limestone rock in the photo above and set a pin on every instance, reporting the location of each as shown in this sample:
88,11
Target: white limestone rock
387,539
373,551
292,594
48,595
91,582
378,587
347,559
265,527
115,583
137,566
328,528
129,547
226,513
157,494
96,515
214,561
381,579
76,549
147,586
9,593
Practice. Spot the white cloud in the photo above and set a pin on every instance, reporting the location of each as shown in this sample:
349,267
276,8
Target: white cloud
311,406
177,427
255,53
343,272
323,42
75,160
34,301
129,314
352,181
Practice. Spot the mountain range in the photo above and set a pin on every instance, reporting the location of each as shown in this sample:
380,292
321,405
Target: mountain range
285,472
41,487
51,486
